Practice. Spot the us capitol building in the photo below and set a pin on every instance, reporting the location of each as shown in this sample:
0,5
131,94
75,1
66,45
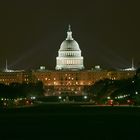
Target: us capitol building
69,76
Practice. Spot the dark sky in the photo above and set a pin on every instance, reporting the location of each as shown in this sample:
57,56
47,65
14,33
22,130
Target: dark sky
31,31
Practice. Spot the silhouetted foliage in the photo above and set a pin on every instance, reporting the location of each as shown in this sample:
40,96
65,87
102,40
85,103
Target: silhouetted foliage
113,88
15,90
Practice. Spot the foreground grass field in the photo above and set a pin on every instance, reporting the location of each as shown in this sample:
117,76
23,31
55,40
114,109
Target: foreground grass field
70,122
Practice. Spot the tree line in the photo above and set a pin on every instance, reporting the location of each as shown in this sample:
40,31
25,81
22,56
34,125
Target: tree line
17,90
115,88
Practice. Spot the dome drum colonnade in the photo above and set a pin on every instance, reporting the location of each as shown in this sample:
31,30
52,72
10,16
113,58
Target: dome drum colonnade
69,54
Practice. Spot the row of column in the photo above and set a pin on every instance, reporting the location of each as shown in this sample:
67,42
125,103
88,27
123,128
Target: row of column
69,62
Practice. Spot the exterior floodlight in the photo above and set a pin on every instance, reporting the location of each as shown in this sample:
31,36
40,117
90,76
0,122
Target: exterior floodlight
108,97
59,97
85,97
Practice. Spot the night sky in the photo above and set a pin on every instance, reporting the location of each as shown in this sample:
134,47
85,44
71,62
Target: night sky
107,31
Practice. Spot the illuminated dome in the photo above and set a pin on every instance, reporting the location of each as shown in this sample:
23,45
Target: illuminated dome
69,54
69,45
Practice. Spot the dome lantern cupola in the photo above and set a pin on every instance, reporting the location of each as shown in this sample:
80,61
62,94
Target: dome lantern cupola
69,34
